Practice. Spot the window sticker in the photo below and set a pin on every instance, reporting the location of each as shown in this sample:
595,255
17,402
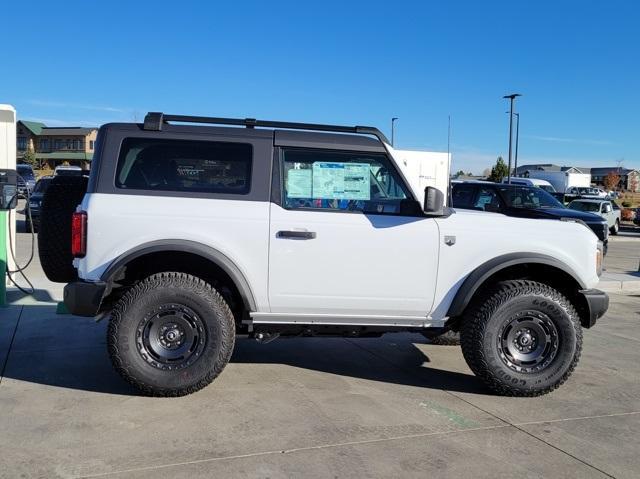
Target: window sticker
347,181
299,183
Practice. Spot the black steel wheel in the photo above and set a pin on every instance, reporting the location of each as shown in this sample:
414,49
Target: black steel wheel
171,334
528,342
522,338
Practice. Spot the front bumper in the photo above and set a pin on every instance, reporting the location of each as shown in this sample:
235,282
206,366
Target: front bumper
83,298
597,305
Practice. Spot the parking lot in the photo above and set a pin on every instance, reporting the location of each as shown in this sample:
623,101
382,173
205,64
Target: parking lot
387,407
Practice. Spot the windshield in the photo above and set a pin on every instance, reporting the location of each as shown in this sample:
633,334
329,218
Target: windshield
42,185
528,197
584,206
26,172
548,188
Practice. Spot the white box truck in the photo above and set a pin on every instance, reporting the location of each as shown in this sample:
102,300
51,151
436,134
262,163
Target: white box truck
563,180
425,168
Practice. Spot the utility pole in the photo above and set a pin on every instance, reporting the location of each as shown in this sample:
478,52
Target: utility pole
511,97
393,129
515,163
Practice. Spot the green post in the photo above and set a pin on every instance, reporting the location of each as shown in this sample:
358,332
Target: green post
3,258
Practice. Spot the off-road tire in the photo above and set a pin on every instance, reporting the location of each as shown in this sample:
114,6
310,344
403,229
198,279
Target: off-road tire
62,197
615,228
125,343
482,340
450,338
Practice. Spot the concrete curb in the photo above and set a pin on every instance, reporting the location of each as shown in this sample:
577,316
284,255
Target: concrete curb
622,285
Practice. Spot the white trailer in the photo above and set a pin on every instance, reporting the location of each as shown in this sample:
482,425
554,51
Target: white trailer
563,180
424,168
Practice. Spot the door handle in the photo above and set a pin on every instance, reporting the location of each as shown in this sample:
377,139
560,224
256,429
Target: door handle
302,235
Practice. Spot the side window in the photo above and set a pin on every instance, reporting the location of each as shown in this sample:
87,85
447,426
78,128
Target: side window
487,200
332,180
184,166
462,196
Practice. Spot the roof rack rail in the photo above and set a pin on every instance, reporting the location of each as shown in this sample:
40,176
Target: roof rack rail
154,121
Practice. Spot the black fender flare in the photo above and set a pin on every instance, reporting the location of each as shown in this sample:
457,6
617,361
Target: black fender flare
479,275
185,246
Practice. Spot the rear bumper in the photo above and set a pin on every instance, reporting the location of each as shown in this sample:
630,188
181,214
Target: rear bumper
83,298
597,305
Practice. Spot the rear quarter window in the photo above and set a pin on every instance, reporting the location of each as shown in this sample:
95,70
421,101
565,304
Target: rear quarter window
184,166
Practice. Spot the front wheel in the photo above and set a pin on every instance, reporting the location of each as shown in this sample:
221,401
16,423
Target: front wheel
615,228
522,338
171,334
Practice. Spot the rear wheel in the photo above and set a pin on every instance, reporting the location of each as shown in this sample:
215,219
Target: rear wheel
522,338
450,338
171,334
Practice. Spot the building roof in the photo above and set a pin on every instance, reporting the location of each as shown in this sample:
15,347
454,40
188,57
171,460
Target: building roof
61,155
551,167
538,167
66,130
609,169
33,126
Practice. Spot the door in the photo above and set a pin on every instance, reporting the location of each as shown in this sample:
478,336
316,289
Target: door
339,244
607,213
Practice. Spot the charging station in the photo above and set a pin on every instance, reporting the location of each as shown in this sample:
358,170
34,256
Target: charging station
8,193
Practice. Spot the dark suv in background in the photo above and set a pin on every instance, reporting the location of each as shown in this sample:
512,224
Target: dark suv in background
26,180
521,201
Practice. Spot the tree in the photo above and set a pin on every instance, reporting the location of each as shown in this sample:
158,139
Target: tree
611,181
499,171
459,173
632,182
30,158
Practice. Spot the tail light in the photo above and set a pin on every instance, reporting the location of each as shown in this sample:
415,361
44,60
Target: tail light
79,234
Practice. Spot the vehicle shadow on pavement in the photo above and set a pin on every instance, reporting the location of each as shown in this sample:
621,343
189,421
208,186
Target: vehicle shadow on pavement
58,350
396,361
70,352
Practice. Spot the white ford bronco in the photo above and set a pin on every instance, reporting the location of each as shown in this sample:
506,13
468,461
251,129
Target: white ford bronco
186,235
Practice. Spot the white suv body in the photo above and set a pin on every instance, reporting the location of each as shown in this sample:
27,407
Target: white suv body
367,271
306,233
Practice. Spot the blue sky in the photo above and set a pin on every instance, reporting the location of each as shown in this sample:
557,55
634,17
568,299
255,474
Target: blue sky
577,63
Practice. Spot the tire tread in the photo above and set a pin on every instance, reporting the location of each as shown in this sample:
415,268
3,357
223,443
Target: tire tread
475,322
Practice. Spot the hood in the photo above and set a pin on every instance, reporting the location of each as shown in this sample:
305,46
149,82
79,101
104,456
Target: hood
555,213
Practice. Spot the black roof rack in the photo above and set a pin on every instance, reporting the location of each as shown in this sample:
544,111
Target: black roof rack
154,120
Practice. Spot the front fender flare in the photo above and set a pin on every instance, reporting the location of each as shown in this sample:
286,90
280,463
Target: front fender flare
479,275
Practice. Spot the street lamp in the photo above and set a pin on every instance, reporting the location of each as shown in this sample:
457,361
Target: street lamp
393,129
511,97
515,163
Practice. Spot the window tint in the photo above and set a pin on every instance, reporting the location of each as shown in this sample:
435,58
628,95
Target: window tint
189,166
487,200
341,181
462,196
528,197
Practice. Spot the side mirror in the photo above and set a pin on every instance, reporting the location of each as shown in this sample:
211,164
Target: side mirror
433,201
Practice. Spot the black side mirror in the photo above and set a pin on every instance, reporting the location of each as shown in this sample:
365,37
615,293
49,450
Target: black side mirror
433,201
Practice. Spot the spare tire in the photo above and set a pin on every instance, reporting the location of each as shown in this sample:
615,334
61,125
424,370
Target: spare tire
62,197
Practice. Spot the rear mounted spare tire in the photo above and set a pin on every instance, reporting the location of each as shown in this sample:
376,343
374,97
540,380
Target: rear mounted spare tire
62,197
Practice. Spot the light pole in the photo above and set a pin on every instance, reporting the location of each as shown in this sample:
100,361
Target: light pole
393,129
511,97
515,163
